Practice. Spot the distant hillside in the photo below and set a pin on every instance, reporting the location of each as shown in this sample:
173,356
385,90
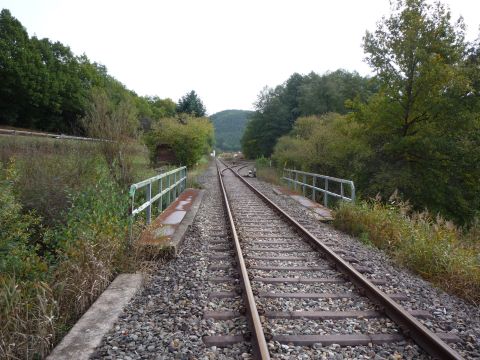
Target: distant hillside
229,127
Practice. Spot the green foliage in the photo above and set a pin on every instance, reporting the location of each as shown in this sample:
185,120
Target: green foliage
278,109
423,124
431,247
18,256
327,144
192,105
189,138
52,269
229,127
43,85
267,172
418,134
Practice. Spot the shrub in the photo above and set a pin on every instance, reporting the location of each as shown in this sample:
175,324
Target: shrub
27,309
91,247
190,138
116,125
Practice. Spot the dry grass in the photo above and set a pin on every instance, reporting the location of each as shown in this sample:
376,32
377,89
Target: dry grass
430,246
268,173
79,249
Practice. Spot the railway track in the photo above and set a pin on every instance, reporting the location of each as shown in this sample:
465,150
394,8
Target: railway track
298,290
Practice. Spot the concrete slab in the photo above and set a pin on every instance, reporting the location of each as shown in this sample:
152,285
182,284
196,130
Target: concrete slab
167,231
322,212
87,333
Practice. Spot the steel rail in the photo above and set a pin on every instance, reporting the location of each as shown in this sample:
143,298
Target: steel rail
410,326
260,348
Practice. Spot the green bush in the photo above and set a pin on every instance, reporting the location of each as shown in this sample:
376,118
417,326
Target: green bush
190,138
18,257
328,144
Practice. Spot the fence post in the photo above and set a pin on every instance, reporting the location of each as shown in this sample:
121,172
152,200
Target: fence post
314,178
325,198
304,182
353,191
341,189
295,183
175,186
185,180
169,191
160,201
149,207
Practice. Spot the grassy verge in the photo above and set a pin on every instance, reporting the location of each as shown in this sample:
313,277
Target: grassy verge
431,247
268,173
194,173
64,236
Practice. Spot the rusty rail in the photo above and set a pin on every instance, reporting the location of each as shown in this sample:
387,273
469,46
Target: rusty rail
260,349
410,326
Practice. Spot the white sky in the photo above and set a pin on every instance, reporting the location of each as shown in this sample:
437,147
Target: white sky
225,50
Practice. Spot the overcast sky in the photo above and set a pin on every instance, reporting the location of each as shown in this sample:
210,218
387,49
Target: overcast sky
226,51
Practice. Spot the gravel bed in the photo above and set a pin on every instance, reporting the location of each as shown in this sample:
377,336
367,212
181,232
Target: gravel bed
403,350
450,313
306,288
306,274
344,304
262,245
165,320
332,327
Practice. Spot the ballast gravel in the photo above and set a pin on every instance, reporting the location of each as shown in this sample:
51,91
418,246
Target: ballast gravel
450,313
165,320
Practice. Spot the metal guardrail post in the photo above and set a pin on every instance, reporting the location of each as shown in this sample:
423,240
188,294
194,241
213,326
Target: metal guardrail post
169,191
325,197
304,181
160,202
149,207
175,186
314,180
295,183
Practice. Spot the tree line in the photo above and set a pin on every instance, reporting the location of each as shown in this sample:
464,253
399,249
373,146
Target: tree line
44,86
414,127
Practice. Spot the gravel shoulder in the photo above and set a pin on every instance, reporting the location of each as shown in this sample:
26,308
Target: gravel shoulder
165,320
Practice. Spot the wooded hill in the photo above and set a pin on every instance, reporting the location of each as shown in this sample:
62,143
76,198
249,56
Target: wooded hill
229,127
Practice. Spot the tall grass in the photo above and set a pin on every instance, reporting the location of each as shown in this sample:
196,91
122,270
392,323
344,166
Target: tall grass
267,172
436,249
63,221
195,172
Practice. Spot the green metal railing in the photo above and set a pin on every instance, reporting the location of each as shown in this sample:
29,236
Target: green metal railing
169,185
296,178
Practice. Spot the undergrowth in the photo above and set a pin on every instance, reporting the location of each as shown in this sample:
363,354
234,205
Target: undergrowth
430,246
63,238
266,172
194,173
